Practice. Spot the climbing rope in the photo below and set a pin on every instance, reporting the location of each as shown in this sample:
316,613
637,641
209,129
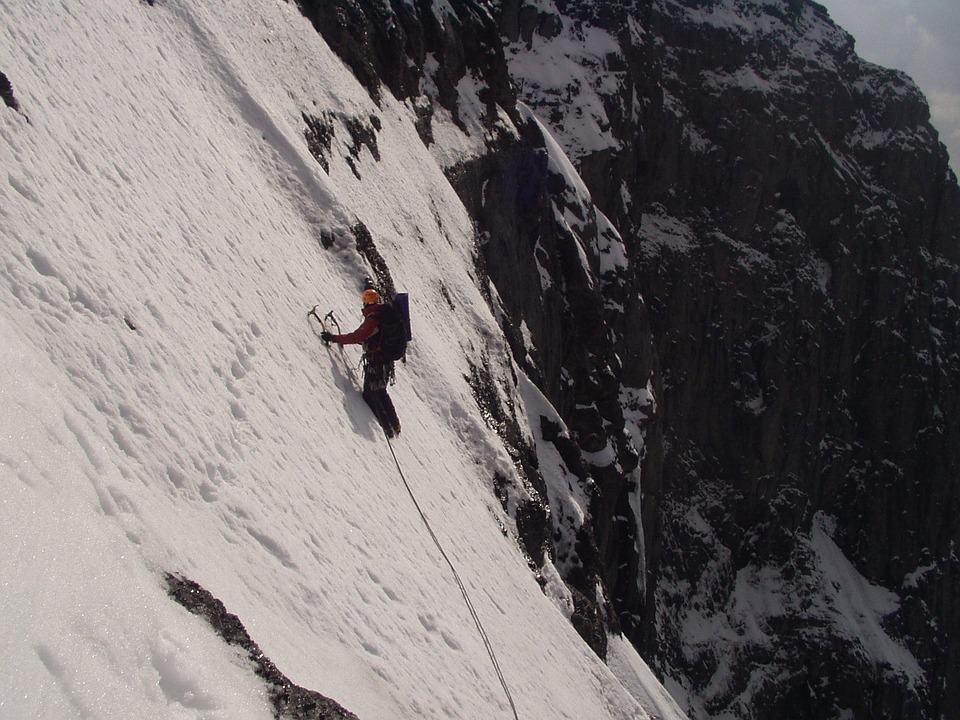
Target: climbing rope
463,590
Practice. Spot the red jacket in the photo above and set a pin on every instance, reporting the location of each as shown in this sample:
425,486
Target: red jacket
367,329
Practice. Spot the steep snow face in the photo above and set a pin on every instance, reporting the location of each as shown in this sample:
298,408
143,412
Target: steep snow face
168,408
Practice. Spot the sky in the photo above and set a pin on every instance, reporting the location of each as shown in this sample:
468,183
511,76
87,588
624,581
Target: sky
920,37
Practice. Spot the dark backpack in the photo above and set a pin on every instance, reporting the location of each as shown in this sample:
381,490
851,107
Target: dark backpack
394,317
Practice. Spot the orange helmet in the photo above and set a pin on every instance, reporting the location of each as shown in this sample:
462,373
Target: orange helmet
370,296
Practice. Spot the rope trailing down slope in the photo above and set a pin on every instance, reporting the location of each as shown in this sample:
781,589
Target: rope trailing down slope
463,589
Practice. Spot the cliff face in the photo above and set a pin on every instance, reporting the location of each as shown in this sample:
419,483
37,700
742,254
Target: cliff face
812,300
725,249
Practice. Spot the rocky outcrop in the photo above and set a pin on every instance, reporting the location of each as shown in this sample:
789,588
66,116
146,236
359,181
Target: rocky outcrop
6,93
406,45
289,700
546,249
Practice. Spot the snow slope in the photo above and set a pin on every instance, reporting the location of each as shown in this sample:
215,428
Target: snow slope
166,406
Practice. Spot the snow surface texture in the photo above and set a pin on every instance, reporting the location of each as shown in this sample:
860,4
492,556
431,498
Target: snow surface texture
166,407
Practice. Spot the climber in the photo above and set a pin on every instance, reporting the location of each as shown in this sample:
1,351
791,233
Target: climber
377,369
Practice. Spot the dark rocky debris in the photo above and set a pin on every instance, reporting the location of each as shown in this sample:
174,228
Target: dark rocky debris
290,701
6,93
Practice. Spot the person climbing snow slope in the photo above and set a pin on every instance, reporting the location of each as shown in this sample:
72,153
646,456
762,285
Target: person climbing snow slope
377,369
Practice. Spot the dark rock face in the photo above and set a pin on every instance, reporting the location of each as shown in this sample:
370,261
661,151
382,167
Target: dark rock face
797,250
290,701
6,93
387,42
824,322
746,323
550,280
